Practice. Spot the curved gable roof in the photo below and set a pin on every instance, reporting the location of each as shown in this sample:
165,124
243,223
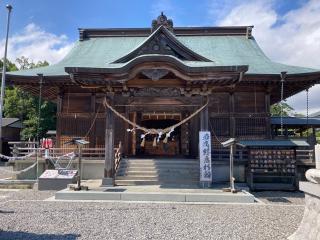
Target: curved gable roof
218,50
162,41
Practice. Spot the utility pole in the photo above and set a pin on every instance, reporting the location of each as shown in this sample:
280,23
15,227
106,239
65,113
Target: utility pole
3,80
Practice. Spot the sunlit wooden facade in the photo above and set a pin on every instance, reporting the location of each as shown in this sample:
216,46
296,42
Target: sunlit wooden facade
160,75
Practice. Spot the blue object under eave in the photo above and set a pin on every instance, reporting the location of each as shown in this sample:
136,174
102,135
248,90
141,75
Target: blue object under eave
296,121
274,143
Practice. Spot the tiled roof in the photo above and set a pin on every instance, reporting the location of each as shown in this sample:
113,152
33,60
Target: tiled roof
224,50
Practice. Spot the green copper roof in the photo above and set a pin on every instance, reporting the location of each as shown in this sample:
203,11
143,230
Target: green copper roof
221,50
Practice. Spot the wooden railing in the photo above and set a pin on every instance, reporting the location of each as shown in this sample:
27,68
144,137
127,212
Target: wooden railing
24,148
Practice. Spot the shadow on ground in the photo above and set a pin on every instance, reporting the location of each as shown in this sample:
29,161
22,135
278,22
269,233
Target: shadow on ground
295,197
9,235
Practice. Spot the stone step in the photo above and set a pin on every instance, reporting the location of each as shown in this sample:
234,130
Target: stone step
158,166
152,182
159,178
160,162
157,171
151,173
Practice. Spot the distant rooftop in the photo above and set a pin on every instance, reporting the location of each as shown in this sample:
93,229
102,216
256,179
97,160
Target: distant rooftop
11,122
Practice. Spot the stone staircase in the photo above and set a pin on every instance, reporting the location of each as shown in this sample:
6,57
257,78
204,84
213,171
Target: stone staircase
154,171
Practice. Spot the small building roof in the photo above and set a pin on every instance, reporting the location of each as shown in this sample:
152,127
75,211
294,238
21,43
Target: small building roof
274,143
296,121
51,132
11,122
315,114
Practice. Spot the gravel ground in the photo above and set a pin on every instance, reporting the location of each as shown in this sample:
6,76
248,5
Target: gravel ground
25,216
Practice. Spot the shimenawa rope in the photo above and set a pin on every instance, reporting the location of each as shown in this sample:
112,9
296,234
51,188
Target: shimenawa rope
153,130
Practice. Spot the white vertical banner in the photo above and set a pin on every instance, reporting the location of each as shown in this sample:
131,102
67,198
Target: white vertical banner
317,155
205,156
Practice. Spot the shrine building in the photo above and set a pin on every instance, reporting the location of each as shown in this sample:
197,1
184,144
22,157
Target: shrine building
127,84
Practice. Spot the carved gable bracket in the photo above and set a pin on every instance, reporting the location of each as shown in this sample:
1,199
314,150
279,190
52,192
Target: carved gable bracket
155,74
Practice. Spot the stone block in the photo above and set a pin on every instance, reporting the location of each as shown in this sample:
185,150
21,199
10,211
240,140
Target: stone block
163,197
309,228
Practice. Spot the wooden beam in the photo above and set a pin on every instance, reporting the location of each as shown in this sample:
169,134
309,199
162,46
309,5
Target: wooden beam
204,118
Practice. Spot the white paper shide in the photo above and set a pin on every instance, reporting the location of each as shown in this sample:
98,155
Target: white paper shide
205,156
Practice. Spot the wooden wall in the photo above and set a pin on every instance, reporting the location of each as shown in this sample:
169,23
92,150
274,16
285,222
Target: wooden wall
244,115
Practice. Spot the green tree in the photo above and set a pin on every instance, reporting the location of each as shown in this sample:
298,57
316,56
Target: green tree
23,105
287,110
26,63
10,66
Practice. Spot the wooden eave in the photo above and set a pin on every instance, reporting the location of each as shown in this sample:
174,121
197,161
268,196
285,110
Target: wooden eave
51,85
220,75
293,84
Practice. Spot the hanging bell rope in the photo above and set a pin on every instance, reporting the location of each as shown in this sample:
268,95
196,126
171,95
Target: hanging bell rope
307,95
283,76
154,131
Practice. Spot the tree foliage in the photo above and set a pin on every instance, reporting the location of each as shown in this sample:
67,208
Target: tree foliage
287,110
10,66
23,105
25,63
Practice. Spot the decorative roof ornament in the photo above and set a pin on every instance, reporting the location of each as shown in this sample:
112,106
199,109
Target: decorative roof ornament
162,20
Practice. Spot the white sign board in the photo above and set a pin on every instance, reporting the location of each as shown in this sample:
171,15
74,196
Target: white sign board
59,174
205,156
317,157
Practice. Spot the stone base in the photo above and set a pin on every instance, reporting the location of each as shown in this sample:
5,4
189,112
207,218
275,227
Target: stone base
309,228
107,182
122,194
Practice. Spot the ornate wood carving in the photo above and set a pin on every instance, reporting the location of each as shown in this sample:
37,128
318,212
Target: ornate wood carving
153,92
155,74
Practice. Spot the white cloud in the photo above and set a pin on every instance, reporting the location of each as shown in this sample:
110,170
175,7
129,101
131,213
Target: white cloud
291,39
37,45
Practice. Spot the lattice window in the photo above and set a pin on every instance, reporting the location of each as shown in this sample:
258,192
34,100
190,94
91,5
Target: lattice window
220,126
75,126
253,127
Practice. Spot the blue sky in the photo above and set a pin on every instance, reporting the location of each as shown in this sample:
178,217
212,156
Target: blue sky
65,16
288,31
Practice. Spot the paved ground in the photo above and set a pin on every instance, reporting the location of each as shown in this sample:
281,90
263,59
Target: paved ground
5,171
24,215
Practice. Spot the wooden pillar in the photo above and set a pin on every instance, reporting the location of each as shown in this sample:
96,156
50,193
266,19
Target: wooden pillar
232,118
108,178
134,136
204,118
184,137
126,134
92,134
59,111
194,135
